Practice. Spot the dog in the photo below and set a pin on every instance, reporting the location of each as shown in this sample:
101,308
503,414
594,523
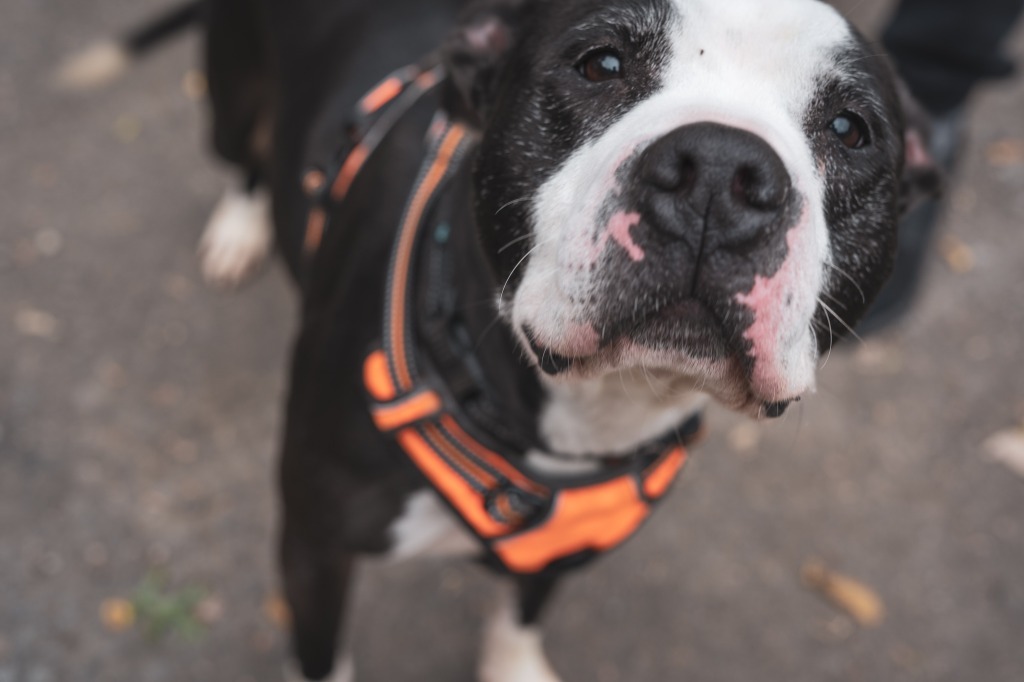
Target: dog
628,208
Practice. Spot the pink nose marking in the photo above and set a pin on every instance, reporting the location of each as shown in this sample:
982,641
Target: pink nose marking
773,316
618,228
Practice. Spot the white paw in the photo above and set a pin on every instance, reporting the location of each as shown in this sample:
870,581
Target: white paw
513,653
237,238
93,67
344,671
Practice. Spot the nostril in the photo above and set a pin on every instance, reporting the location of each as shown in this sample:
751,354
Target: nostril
665,177
758,189
687,174
672,173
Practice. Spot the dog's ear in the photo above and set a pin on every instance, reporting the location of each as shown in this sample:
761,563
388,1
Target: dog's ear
477,51
922,174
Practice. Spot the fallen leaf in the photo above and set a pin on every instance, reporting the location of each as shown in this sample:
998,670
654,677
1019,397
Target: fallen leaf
209,610
744,438
880,358
853,597
1007,447
1006,152
958,256
117,615
36,323
193,84
127,128
277,612
177,287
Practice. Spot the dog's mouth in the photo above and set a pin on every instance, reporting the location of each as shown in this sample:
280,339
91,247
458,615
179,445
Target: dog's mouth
685,337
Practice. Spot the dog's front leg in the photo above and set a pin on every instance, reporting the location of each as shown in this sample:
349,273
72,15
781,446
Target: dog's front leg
513,650
316,578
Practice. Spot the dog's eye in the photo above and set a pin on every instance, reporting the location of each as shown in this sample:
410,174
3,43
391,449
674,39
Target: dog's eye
601,65
851,130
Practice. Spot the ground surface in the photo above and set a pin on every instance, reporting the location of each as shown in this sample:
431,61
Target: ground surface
139,414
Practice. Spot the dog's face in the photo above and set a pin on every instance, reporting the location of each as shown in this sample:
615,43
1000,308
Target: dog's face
704,188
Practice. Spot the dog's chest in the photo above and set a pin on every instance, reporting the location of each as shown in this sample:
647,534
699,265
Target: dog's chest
428,528
606,415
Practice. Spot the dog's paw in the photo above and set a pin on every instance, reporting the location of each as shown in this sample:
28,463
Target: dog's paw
344,671
513,653
93,67
237,238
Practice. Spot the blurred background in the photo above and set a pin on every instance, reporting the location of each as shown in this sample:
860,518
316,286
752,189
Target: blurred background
876,533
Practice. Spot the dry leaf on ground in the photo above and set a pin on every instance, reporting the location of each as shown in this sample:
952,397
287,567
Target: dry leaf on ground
276,610
1005,153
117,615
210,610
958,256
194,84
852,596
880,357
1007,447
36,323
127,128
744,438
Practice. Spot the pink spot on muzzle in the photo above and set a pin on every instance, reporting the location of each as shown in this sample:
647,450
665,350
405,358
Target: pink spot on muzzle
773,302
618,228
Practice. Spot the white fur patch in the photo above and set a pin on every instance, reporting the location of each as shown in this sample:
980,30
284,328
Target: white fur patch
344,671
93,67
615,412
511,652
237,238
428,528
743,63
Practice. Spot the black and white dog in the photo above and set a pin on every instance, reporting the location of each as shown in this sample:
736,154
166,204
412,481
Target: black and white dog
665,200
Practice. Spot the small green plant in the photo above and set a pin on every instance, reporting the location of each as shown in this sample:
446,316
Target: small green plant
161,611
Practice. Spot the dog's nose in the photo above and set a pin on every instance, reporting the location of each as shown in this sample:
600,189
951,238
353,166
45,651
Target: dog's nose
731,177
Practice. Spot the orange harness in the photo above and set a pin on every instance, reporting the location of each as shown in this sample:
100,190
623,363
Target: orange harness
527,521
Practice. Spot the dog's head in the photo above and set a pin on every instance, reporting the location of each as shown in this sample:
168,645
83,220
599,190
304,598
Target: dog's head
698,187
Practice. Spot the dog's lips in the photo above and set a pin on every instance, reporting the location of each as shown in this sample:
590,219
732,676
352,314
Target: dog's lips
575,346
680,336
686,327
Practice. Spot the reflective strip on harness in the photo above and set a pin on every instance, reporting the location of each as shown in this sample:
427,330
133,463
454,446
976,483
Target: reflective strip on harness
452,486
664,474
375,114
595,518
408,410
400,269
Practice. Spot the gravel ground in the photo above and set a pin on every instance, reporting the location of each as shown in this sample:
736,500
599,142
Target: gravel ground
139,416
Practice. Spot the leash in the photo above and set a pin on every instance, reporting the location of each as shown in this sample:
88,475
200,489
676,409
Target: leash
528,522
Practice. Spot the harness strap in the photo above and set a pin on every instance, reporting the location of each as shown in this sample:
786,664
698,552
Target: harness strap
528,522
376,114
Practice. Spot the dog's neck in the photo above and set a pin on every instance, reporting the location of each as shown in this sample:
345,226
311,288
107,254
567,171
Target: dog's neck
612,414
616,412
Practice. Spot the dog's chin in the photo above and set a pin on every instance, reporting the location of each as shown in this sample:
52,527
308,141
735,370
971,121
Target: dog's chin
684,342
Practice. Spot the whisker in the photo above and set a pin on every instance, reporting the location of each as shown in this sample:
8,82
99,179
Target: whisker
514,242
512,203
863,298
840,320
501,296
